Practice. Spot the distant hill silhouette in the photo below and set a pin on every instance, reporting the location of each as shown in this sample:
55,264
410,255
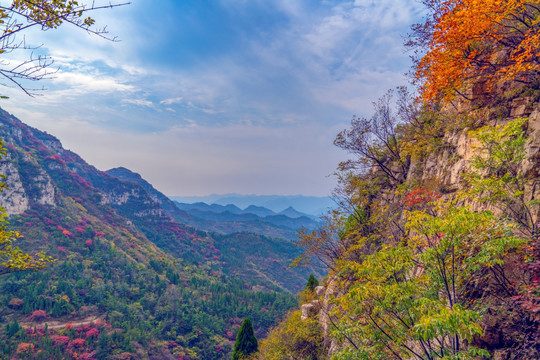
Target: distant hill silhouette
311,205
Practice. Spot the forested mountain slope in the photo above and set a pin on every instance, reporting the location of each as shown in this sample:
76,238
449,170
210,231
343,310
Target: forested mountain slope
130,281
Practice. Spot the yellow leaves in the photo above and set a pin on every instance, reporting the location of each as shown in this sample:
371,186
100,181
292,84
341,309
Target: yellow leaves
49,14
439,320
13,259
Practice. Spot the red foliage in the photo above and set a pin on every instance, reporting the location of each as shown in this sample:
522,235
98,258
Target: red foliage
56,158
80,228
92,333
67,233
61,249
88,243
529,297
69,326
420,196
88,356
78,342
60,340
39,315
99,233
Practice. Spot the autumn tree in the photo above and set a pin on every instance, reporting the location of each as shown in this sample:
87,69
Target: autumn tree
466,41
293,338
12,258
376,140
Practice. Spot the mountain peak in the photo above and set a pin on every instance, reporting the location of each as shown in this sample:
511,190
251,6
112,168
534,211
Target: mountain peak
122,172
291,212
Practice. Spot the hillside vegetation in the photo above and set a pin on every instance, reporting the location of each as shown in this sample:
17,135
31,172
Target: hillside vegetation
129,282
434,251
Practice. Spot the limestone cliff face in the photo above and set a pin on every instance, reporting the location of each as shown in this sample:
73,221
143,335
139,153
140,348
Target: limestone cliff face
24,187
446,168
36,167
13,197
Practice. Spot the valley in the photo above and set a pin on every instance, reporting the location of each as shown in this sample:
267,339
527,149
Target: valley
131,264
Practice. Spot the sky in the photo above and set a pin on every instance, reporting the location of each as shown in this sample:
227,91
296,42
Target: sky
220,96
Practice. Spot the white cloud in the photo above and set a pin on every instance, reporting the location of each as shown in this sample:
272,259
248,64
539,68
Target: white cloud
91,82
139,102
176,100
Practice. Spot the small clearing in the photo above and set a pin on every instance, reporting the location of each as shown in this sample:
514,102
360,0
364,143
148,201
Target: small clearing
55,325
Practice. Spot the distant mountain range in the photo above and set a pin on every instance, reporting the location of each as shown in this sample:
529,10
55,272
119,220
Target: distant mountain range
228,219
224,219
312,205
260,211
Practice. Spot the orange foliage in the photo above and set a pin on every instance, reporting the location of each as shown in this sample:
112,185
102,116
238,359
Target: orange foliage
466,40
25,348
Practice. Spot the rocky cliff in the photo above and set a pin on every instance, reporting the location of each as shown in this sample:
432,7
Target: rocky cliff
443,170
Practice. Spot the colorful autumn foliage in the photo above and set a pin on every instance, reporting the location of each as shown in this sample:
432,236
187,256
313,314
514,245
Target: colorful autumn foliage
25,348
420,196
39,315
78,342
468,41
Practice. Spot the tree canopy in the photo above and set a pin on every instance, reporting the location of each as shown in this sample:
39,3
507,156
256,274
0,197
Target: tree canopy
463,41
246,342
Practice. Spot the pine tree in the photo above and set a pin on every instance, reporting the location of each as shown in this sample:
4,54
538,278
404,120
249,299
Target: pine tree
312,283
246,342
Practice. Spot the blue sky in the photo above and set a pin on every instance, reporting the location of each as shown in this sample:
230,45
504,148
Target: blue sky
221,96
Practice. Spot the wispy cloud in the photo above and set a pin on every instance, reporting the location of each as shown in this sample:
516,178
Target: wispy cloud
176,100
139,102
249,89
91,82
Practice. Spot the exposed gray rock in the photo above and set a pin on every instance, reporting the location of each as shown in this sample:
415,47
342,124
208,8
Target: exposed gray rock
320,290
13,198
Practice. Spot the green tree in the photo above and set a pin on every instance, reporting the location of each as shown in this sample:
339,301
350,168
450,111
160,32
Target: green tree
246,342
312,283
